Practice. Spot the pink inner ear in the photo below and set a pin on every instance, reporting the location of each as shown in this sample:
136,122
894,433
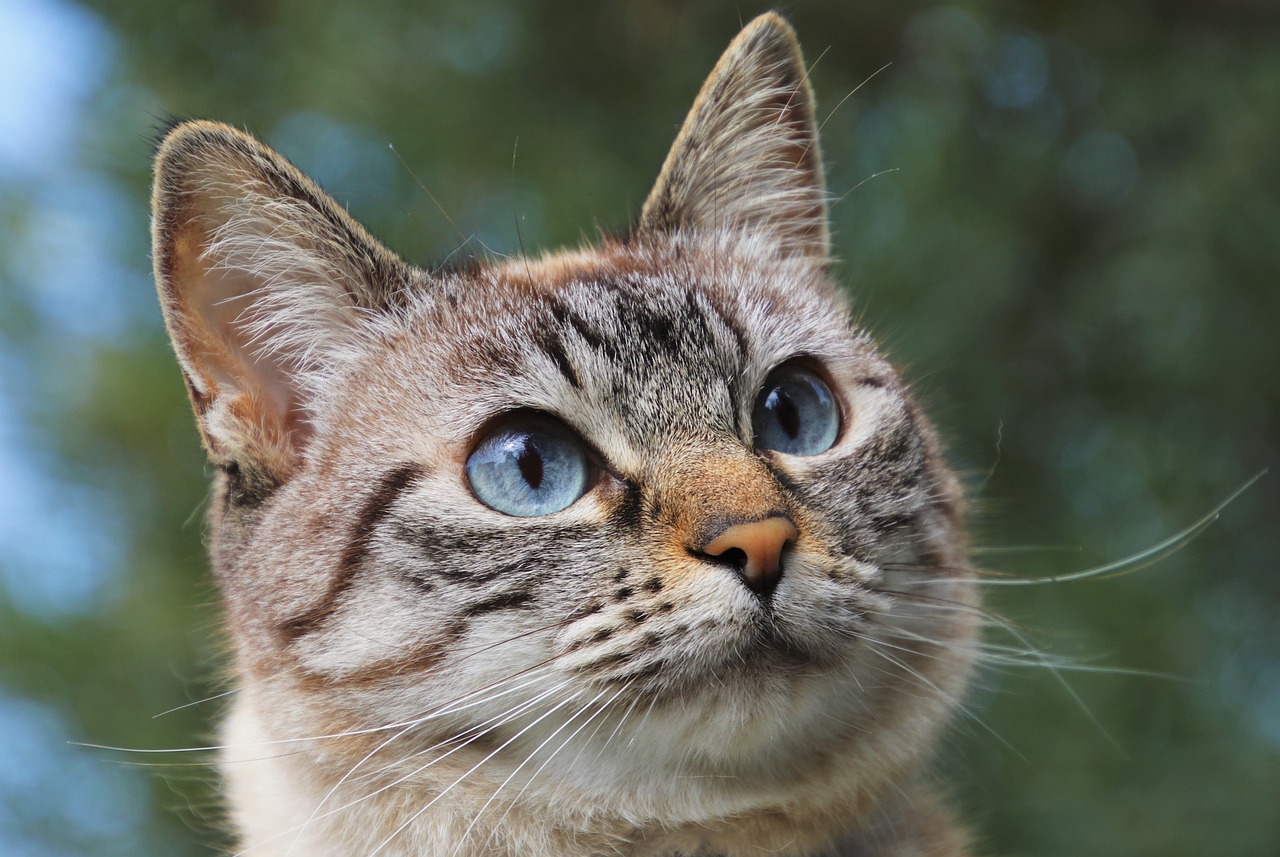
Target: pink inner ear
250,361
262,277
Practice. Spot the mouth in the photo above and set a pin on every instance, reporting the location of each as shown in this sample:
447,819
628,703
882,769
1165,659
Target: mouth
778,644
764,654
813,624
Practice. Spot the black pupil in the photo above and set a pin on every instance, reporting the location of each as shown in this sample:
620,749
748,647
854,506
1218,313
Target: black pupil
785,411
530,463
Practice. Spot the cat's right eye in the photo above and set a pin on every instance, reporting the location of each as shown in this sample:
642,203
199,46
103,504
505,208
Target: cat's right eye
527,467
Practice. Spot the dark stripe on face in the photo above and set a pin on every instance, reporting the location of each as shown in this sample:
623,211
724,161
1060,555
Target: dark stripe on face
375,508
607,662
711,310
566,317
245,488
468,557
666,330
552,344
475,576
505,601
422,658
713,316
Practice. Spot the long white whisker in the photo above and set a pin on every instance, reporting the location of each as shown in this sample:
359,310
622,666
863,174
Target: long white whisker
469,772
1139,560
476,818
621,721
604,707
351,771
225,693
477,732
957,703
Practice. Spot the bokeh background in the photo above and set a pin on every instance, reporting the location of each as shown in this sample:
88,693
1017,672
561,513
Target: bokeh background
1060,217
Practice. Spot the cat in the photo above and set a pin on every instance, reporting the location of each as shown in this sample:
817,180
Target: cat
639,549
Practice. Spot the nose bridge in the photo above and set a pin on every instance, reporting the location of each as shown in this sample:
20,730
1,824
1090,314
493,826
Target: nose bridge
704,491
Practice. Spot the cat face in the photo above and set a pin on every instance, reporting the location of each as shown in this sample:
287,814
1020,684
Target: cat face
652,521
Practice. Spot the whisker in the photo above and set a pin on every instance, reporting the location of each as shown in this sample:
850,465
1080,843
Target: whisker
851,93
472,770
875,175
442,709
478,732
471,733
476,818
625,715
1133,562
958,704
564,744
430,195
222,695
351,771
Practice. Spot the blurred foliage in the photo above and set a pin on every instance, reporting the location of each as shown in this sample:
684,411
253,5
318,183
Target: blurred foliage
1059,217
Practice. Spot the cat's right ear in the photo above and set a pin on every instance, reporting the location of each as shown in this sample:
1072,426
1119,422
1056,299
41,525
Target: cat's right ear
264,282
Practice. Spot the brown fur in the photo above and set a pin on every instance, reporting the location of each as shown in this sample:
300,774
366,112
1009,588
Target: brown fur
419,673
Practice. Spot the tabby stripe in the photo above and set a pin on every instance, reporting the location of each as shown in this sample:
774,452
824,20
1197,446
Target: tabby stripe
641,674
395,483
552,344
565,316
505,601
891,523
611,660
422,658
731,324
712,311
246,488
474,577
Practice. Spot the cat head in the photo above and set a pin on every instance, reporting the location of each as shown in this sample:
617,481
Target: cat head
653,518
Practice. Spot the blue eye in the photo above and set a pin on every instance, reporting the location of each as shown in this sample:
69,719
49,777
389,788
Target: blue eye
796,413
528,467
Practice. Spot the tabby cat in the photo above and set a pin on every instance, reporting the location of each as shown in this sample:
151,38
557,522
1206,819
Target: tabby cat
641,549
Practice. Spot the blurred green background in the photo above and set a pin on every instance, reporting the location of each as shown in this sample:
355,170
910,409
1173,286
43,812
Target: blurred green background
1060,217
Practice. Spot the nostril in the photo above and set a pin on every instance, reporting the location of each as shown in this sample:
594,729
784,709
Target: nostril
734,557
753,549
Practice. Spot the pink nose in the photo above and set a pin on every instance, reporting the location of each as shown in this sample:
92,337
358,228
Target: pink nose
754,550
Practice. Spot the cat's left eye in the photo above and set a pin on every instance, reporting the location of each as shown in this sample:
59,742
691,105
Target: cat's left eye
528,466
796,413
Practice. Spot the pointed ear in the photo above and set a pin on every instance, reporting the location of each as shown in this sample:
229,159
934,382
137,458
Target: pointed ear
746,159
264,281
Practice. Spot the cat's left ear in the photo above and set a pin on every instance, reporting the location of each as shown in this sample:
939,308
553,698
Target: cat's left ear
746,160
